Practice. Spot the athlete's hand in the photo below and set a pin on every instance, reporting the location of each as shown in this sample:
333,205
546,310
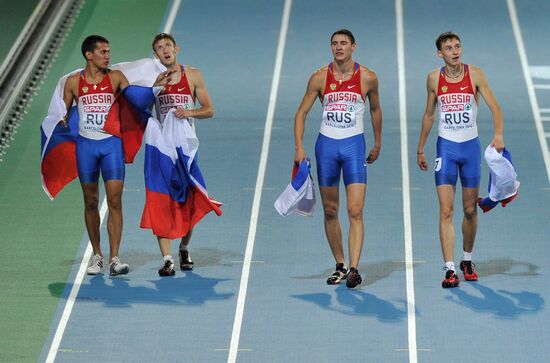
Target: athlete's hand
421,161
299,155
181,113
498,143
164,78
373,154
63,121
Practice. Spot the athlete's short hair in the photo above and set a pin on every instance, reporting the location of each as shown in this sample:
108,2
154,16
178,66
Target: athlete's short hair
344,32
89,44
442,38
161,36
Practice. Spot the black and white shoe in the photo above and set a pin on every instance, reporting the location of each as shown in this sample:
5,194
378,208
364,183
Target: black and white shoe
338,275
116,267
167,269
186,264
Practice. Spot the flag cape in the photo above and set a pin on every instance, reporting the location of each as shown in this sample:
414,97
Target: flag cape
503,184
299,196
127,117
176,198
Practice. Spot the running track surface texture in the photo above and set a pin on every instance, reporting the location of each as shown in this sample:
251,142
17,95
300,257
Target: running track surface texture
258,291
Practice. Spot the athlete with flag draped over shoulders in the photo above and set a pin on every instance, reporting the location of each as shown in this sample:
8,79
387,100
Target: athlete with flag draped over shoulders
94,90
455,90
343,88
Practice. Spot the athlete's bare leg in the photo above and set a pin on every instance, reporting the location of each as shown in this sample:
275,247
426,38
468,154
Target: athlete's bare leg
355,194
469,223
185,240
164,245
113,190
333,231
446,195
91,214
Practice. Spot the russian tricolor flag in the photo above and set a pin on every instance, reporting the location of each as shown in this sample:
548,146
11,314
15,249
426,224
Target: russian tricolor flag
176,198
58,152
503,183
127,119
299,195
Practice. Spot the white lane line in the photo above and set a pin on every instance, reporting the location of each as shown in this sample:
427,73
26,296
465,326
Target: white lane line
530,89
54,348
235,336
172,16
411,309
542,86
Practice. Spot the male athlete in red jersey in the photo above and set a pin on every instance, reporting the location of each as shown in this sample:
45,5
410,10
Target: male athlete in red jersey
183,85
94,90
455,89
342,87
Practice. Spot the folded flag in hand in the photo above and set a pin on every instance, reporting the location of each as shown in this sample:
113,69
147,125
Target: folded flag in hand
299,195
503,183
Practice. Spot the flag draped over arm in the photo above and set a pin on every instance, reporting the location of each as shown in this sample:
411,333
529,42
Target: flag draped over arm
176,198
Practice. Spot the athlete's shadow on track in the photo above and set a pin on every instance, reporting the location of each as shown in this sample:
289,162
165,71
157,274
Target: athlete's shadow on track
356,302
502,304
183,289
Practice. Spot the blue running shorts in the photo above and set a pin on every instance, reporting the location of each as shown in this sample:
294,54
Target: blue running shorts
95,155
346,155
458,159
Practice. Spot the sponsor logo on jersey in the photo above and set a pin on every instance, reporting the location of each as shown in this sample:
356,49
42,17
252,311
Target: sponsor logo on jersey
85,89
444,89
332,86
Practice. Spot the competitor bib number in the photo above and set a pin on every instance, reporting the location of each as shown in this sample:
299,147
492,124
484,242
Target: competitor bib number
339,116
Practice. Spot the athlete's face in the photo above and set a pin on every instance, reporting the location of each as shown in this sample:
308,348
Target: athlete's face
451,51
342,48
166,52
101,56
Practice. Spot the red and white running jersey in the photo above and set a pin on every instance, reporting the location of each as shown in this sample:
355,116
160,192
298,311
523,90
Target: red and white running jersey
457,108
94,102
343,106
173,96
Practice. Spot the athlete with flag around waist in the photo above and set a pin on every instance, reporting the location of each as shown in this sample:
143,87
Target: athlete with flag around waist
343,88
455,90
183,85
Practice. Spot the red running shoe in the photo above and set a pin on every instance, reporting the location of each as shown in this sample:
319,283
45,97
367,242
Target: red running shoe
469,269
451,280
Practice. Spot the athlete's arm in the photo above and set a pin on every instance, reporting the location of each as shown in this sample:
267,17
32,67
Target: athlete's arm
427,119
119,80
314,89
69,95
201,94
375,115
480,82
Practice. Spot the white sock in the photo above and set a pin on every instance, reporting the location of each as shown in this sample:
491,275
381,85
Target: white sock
466,256
168,257
450,265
